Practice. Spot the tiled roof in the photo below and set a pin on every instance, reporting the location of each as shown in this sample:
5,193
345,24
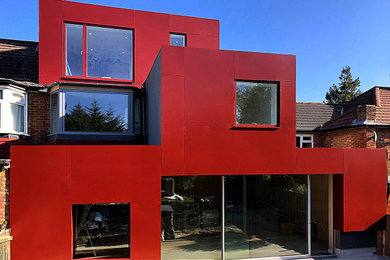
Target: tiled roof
311,116
19,60
341,121
377,96
383,106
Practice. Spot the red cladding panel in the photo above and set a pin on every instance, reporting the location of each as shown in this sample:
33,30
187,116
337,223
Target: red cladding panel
364,187
40,205
320,160
50,179
211,145
151,31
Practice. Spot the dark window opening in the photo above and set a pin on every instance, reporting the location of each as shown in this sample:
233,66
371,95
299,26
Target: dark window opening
101,230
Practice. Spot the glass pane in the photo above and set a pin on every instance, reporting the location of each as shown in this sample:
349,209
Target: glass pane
109,53
298,141
1,94
307,145
266,216
17,98
54,113
178,40
96,112
17,117
101,230
137,116
257,103
319,214
74,50
307,138
191,217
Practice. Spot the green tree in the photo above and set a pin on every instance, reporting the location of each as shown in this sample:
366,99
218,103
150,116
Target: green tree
347,89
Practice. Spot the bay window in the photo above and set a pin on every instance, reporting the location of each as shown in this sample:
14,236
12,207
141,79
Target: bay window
13,111
106,54
91,112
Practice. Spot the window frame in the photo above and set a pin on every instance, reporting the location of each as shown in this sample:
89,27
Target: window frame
85,54
74,205
301,136
61,112
5,110
260,126
180,34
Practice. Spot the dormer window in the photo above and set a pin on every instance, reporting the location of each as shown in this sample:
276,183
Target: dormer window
109,52
13,111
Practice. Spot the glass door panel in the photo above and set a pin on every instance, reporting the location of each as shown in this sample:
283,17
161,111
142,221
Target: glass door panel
191,217
265,216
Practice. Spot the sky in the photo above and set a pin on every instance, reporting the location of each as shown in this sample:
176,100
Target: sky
325,35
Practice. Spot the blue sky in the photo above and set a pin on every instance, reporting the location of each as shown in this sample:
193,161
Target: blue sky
325,35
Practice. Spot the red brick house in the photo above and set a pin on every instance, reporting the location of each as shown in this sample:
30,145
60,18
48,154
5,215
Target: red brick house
162,146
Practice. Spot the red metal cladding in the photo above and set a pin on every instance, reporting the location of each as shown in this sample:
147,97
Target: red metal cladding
151,31
47,180
198,113
359,183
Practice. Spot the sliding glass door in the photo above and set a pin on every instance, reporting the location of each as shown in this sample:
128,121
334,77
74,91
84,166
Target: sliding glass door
265,215
235,217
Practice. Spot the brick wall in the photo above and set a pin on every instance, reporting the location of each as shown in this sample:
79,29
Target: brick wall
38,116
4,198
346,138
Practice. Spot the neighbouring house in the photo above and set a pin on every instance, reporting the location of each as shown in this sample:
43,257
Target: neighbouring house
159,145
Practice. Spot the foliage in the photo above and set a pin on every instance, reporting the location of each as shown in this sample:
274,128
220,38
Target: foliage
347,89
94,119
253,104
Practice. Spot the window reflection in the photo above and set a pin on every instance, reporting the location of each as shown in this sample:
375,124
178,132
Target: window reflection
178,40
101,230
109,53
266,216
74,50
257,103
96,112
191,217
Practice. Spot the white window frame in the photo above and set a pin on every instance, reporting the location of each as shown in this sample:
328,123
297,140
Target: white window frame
311,141
5,110
61,112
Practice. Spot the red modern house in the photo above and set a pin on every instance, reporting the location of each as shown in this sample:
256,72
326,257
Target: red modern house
178,152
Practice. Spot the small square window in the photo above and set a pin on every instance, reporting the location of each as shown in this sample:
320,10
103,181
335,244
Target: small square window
304,141
257,103
101,230
178,40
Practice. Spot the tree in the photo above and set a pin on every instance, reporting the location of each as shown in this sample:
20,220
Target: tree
347,89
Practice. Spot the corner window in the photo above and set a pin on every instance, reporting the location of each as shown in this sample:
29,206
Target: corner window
304,141
109,52
178,40
101,230
91,112
257,103
13,111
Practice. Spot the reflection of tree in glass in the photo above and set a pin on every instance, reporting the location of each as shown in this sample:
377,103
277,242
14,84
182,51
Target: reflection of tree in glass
94,119
253,104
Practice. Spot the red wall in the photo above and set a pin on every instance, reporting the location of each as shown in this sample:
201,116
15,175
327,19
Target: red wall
151,30
198,108
43,191
360,192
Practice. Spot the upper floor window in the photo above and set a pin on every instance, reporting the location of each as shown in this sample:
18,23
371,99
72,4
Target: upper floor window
91,112
13,111
109,52
257,103
304,141
178,40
